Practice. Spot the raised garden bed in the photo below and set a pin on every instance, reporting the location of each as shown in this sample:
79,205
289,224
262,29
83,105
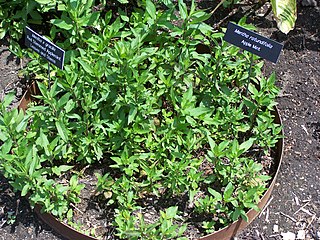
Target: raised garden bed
312,125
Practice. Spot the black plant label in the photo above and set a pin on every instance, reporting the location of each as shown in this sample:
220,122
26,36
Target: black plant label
44,48
253,42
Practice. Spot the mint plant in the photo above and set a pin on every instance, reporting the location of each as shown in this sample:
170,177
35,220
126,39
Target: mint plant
165,120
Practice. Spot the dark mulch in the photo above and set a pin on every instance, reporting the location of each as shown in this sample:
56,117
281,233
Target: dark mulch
295,202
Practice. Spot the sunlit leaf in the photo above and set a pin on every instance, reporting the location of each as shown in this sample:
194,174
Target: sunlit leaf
62,24
151,9
62,130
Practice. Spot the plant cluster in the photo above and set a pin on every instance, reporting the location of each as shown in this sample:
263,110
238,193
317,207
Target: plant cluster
139,96
16,15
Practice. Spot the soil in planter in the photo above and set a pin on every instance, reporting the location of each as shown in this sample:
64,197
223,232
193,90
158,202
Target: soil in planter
92,214
295,203
11,79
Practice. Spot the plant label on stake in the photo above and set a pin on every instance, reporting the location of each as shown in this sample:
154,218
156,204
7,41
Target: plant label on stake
253,42
46,49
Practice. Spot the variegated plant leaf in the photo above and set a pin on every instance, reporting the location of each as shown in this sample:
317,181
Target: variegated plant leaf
285,12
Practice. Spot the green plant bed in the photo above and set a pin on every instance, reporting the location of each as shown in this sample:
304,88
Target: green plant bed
93,218
161,127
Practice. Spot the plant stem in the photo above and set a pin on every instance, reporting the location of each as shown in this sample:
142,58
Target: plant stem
49,84
215,9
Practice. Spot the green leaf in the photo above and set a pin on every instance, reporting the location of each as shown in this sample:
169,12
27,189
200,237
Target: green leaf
62,168
196,112
285,12
33,160
70,105
62,130
199,16
203,27
228,192
2,33
43,89
123,16
168,3
132,113
6,146
235,215
53,90
89,20
217,35
62,24
253,90
107,17
244,215
25,189
217,195
223,145
61,189
87,66
264,178
211,142
7,100
63,100
257,167
245,146
235,203
151,9
31,135
252,205
22,125
183,9
69,214
187,98
43,142
171,212
191,121
74,4
74,181
44,1
182,229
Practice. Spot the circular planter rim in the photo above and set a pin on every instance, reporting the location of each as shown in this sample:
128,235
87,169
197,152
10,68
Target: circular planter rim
223,234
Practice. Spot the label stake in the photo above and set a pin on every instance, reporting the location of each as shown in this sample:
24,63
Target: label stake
49,83
249,73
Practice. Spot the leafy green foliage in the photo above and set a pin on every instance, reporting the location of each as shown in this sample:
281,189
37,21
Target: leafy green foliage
138,97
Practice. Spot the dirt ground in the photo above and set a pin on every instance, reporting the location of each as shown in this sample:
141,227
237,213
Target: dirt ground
294,208
295,202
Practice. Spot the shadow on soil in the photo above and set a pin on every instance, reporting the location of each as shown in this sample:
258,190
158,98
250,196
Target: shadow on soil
15,210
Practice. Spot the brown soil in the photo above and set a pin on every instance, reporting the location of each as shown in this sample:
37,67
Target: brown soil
295,202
